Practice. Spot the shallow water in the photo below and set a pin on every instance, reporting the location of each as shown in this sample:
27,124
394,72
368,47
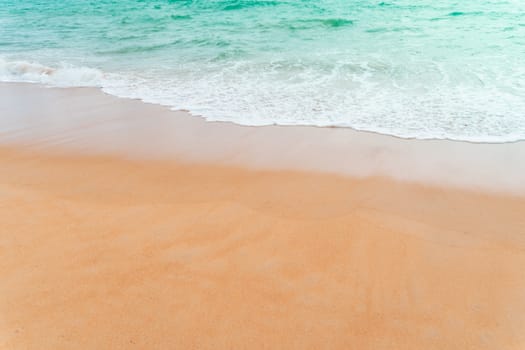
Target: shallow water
422,69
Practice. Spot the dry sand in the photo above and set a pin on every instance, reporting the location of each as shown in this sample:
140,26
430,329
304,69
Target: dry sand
102,252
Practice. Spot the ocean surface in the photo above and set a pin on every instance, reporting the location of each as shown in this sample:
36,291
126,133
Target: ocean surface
410,68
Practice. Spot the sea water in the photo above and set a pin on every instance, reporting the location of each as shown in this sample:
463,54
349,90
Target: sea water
411,68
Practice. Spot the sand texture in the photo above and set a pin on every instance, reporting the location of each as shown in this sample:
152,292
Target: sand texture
102,253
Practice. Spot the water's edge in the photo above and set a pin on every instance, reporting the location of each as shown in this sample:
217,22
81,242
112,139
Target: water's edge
115,85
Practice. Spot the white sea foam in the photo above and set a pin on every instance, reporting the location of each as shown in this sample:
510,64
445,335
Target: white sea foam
34,72
257,96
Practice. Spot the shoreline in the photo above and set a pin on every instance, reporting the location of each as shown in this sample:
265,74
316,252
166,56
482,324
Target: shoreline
209,120
106,124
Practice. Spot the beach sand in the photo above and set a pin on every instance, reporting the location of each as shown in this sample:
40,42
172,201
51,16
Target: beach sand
193,247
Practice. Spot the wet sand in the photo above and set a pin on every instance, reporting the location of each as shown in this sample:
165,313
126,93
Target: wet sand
85,120
104,246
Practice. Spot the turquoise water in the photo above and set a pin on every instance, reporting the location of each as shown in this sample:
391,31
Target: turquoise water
424,69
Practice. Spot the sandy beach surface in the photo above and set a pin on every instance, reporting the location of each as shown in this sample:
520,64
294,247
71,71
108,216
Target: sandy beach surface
125,225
